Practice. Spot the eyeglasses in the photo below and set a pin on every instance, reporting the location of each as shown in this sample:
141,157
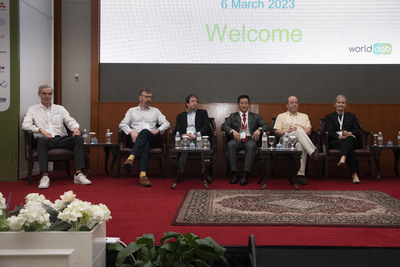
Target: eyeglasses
49,94
147,96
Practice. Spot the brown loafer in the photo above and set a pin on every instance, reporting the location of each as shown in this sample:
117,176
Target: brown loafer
128,164
144,181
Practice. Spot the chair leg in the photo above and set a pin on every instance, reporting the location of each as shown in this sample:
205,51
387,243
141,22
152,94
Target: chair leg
30,168
161,162
326,168
67,168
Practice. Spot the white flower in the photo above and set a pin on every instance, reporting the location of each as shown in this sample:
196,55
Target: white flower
2,202
67,198
3,205
16,223
81,215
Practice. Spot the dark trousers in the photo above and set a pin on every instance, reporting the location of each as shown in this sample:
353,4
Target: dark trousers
347,148
141,148
250,149
75,144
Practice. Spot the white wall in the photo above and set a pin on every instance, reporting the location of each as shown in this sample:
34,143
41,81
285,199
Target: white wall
76,38
36,58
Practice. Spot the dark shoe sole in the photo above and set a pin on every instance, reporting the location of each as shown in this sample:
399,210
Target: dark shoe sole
127,166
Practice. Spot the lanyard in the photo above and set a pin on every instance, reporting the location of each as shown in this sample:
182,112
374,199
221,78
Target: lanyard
341,121
293,121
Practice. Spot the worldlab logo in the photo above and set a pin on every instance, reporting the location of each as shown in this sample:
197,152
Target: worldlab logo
377,49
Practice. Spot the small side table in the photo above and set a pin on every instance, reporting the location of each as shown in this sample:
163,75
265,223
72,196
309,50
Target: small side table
107,147
294,156
206,156
377,150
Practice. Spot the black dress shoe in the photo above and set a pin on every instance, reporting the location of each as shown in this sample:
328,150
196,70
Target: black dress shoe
209,179
244,180
234,180
301,180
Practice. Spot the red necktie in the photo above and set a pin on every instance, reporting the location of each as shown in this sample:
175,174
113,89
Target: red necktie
244,127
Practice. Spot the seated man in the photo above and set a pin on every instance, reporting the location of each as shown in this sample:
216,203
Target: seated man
140,123
46,121
190,123
245,128
297,124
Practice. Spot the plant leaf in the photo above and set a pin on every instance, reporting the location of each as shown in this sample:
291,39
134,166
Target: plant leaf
125,252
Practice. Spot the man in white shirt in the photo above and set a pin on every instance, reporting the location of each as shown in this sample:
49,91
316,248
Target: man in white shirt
46,121
297,124
142,123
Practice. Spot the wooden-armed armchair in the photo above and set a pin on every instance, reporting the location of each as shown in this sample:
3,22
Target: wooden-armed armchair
55,154
362,152
159,151
213,141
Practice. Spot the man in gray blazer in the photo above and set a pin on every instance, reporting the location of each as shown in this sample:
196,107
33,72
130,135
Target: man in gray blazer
245,128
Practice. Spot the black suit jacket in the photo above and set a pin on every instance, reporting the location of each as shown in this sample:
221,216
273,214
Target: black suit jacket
234,122
332,125
202,122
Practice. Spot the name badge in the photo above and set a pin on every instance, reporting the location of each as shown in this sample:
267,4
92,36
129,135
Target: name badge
146,126
339,132
190,130
243,135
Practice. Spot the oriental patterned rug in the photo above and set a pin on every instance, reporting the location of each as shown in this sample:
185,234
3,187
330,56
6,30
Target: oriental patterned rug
284,208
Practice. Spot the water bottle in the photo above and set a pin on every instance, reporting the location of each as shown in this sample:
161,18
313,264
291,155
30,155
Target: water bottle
192,145
177,140
108,136
264,141
199,141
380,139
85,136
389,143
285,143
398,139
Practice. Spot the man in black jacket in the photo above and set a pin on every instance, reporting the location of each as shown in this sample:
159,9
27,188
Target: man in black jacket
190,123
245,127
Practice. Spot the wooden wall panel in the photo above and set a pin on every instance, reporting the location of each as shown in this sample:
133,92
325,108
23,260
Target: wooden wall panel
373,117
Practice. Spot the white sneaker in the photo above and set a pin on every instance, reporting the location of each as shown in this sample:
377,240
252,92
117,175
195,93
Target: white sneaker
80,178
44,182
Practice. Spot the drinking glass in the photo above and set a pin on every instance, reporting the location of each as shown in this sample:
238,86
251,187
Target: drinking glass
206,143
292,141
185,142
271,141
93,138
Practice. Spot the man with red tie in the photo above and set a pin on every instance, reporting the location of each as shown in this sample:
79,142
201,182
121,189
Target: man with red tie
245,128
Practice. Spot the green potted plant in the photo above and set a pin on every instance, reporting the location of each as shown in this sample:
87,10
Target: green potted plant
176,249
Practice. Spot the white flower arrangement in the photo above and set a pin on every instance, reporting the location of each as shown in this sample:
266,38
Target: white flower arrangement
39,214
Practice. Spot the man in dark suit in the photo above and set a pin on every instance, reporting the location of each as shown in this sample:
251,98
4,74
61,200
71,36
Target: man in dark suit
190,123
245,127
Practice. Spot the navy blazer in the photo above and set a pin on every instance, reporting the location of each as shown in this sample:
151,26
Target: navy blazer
202,122
234,122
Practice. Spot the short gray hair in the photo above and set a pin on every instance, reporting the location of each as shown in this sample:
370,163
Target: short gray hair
43,86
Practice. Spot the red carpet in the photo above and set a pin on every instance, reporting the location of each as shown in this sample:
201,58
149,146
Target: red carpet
137,210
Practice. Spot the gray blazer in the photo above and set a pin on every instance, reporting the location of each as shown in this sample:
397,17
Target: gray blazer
233,122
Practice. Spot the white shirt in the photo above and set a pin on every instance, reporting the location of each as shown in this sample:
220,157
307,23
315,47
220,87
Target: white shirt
137,119
51,119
